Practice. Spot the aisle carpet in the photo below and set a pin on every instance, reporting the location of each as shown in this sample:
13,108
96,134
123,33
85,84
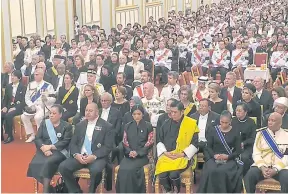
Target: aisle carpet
16,157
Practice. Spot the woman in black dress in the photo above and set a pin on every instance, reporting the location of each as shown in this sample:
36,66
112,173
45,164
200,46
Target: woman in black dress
137,141
52,140
222,173
120,101
185,96
218,105
68,96
254,109
91,95
247,128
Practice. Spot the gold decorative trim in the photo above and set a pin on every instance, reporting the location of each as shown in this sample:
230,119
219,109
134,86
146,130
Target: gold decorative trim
67,21
55,21
3,42
42,18
124,8
100,6
153,3
10,27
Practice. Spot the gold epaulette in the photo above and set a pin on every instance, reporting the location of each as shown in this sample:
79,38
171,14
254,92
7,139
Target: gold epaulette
260,129
115,85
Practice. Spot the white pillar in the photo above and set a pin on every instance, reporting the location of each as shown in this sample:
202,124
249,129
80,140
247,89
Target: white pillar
180,5
106,15
79,11
6,33
195,5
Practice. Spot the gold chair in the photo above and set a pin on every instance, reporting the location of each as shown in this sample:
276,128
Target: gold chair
268,185
186,178
18,126
82,173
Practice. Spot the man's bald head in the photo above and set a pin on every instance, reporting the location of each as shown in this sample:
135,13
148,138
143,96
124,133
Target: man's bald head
91,111
148,89
274,121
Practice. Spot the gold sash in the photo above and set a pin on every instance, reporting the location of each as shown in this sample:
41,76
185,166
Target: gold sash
114,87
54,70
187,129
68,94
188,109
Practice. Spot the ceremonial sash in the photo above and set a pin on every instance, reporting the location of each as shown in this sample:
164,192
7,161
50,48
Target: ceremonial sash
139,90
271,143
198,95
238,56
38,93
226,146
229,97
188,109
187,129
87,145
197,56
60,52
162,56
53,137
114,90
216,29
54,70
282,55
68,94
222,56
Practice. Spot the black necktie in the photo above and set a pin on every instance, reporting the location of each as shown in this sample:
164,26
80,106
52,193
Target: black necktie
172,90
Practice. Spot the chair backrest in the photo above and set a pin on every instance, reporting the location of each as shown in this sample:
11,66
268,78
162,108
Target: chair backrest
260,58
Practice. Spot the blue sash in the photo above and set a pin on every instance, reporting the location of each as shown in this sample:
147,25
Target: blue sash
87,145
53,136
38,93
272,144
226,146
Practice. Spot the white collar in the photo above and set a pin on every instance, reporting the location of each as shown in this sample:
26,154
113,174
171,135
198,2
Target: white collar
15,85
204,116
106,109
93,122
259,92
231,89
122,65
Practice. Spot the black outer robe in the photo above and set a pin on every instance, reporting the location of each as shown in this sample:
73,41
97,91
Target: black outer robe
131,178
42,166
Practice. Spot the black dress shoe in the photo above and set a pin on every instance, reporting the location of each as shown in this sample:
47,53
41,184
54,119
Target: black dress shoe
9,140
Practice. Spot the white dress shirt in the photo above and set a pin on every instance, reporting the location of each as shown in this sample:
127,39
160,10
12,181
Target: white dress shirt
202,122
60,82
14,90
259,93
105,113
89,132
121,68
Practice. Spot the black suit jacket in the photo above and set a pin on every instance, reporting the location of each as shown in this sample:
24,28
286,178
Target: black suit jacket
148,64
66,47
213,119
114,118
42,136
102,140
19,101
266,100
4,80
237,95
19,60
129,72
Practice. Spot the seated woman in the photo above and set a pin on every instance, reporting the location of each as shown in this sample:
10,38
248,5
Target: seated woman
52,140
137,140
185,96
247,128
90,95
120,101
222,173
218,105
68,96
254,110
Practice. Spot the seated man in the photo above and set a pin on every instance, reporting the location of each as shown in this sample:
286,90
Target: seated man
90,146
268,155
177,143
38,98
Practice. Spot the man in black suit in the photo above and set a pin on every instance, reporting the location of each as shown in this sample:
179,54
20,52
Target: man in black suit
231,93
110,114
148,63
263,96
65,45
13,104
123,67
206,119
120,80
6,77
90,146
